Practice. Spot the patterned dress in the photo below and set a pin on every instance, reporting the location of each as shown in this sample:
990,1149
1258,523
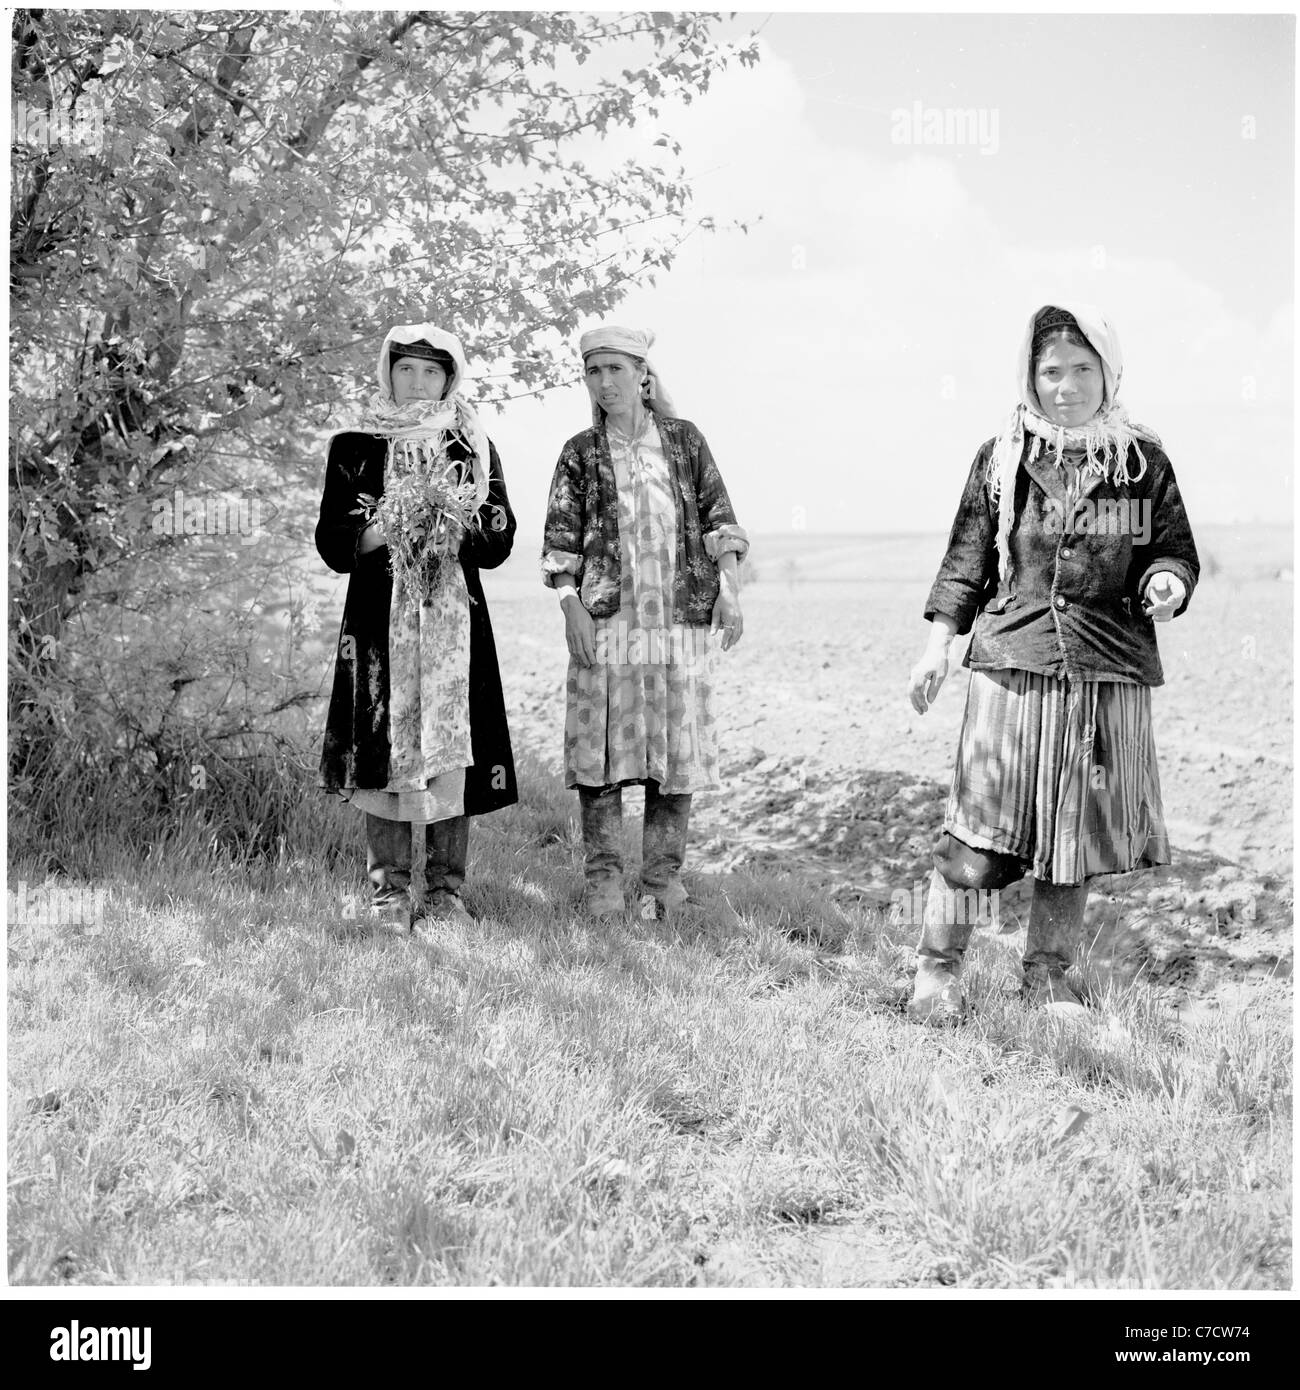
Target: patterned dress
1059,773
428,705
644,710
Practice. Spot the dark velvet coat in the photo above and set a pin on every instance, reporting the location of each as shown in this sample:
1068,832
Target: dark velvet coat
356,732
1079,568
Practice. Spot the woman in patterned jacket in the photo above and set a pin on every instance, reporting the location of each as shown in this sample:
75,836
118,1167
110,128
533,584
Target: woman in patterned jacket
642,547
1070,542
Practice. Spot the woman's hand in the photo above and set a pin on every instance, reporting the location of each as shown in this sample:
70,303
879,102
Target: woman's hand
579,629
1164,592
726,610
371,539
453,535
932,670
727,618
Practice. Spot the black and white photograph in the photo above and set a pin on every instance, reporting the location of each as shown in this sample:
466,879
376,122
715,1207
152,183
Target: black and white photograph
651,656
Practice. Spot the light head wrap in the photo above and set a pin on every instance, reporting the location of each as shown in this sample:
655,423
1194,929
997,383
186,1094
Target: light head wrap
435,338
1106,439
631,342
1094,326
610,338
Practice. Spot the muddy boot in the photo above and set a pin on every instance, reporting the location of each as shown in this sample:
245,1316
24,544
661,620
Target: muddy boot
937,996
446,852
663,851
602,840
1055,918
388,866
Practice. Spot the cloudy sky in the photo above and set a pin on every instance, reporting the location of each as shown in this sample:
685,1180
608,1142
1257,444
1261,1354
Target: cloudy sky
848,355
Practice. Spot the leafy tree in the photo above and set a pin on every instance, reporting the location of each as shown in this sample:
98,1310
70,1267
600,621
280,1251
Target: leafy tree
213,216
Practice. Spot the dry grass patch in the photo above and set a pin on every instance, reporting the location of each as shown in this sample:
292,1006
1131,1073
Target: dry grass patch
233,1082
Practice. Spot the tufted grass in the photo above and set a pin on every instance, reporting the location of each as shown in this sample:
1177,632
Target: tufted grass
230,1081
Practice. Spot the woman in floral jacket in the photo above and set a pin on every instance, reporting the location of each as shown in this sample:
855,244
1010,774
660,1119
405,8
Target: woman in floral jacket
1070,542
642,546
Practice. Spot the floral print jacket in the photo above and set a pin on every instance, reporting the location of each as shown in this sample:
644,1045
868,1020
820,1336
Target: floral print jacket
581,536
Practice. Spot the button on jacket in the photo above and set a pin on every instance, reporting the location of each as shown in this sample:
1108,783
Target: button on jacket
1081,560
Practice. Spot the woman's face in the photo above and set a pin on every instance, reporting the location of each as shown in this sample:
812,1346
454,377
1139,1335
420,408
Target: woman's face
1069,382
614,381
417,379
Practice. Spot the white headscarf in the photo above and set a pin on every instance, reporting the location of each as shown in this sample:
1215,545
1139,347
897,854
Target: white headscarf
1105,439
418,432
1098,330
632,342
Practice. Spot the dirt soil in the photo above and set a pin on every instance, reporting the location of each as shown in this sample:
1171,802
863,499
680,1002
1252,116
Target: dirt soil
830,774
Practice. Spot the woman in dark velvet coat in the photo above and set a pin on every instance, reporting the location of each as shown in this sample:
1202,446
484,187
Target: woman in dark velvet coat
1071,542
416,733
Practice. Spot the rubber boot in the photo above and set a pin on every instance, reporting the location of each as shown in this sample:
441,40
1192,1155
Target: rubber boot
602,839
936,995
663,851
446,851
388,866
1055,918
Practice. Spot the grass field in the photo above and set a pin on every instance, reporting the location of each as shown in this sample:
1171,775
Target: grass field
228,1081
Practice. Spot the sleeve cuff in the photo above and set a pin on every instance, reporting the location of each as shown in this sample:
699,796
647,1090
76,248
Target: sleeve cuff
963,621
556,562
728,539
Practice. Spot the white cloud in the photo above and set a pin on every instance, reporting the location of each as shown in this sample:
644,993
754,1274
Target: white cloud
858,344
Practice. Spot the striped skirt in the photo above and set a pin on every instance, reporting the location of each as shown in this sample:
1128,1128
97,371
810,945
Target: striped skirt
1059,773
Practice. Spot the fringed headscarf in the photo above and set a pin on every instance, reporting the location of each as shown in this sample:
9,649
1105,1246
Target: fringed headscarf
634,343
1106,440
419,431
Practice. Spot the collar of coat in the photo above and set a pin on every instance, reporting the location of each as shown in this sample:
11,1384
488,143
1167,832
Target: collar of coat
670,427
1051,478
